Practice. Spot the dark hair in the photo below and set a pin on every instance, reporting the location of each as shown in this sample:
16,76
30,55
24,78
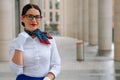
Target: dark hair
29,6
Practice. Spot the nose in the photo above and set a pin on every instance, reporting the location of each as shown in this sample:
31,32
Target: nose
33,19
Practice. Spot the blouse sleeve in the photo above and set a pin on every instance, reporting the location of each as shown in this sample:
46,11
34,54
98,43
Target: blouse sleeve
14,67
55,60
17,44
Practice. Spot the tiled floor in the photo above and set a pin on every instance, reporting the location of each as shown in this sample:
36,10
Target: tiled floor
94,66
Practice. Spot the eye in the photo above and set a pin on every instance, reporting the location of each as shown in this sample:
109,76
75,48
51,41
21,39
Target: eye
30,16
37,16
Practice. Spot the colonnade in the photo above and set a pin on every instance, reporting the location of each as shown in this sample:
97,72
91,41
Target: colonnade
88,20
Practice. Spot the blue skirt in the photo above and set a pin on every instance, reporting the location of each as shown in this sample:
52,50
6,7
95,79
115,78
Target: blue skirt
24,77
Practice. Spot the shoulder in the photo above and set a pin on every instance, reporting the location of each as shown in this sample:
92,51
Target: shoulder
24,34
20,38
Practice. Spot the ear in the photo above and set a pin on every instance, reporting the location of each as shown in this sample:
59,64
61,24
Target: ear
22,18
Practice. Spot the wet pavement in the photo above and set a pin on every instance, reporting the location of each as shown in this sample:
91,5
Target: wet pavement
93,67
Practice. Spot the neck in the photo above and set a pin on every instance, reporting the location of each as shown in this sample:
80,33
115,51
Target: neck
33,36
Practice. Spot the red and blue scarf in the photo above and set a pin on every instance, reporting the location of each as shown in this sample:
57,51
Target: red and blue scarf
42,36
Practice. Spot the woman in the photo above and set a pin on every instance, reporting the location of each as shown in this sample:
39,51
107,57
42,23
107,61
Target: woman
33,54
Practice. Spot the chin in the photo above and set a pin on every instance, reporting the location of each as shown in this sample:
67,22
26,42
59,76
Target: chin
33,27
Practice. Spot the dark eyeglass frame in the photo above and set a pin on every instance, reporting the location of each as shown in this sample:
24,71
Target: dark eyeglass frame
31,17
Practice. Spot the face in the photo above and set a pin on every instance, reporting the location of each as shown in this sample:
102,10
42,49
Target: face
31,19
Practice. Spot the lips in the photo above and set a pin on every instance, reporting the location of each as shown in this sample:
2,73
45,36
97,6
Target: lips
33,24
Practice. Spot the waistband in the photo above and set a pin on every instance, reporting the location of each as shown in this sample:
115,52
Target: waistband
25,77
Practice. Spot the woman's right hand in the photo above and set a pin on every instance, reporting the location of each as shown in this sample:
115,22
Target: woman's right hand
46,78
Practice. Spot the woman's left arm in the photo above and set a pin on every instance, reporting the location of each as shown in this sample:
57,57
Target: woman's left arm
55,66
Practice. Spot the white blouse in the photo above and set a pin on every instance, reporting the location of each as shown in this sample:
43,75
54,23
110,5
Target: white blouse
39,58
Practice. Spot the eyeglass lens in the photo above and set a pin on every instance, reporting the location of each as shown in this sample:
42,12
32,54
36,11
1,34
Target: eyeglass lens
30,16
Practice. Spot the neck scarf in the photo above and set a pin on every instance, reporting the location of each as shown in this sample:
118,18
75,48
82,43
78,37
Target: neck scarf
42,36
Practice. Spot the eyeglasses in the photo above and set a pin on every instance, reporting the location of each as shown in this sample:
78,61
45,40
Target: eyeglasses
31,17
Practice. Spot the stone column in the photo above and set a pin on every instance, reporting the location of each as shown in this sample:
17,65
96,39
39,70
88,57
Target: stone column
76,18
93,22
41,4
65,10
69,18
22,4
34,1
7,27
62,18
72,13
47,12
105,25
68,12
117,30
65,18
86,20
80,20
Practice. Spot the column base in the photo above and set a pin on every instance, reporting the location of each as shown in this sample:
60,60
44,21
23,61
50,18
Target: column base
104,53
80,60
